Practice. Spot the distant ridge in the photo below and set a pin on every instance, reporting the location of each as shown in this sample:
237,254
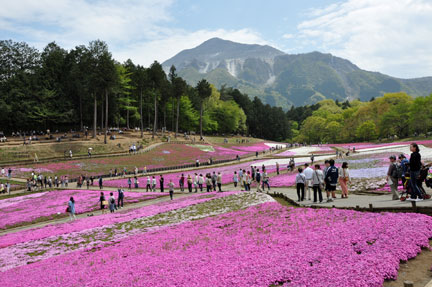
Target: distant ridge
281,79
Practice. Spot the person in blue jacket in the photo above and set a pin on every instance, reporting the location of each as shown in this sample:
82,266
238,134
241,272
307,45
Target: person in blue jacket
331,179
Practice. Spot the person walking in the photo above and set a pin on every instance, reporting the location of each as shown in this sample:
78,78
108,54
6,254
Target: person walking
344,179
196,179
161,183
208,183
201,181
415,166
71,208
103,202
214,179
265,180
120,198
404,164
189,182
3,172
235,178
392,178
308,172
277,168
219,181
148,184
331,177
181,182
112,206
248,181
136,182
317,181
258,180
171,188
8,186
300,184
154,183
253,172
100,182
129,183
9,173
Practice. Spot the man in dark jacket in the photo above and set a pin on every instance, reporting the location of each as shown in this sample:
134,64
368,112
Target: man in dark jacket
331,179
214,180
120,199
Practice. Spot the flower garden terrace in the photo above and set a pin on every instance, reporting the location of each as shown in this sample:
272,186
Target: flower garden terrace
216,239
165,155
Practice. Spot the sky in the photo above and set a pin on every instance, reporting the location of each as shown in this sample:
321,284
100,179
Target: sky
393,37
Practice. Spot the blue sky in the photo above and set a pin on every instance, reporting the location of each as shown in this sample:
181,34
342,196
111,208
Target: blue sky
392,37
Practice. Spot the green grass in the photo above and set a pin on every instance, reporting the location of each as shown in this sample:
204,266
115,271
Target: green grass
2,180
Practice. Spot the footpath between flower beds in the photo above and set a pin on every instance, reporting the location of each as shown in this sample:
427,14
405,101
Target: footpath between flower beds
371,203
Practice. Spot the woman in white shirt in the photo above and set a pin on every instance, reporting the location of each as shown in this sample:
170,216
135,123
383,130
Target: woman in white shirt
235,178
317,181
344,179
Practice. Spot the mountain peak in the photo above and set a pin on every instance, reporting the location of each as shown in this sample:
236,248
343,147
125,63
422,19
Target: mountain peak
216,52
285,79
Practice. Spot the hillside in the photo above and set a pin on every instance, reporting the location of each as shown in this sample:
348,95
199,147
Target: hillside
284,79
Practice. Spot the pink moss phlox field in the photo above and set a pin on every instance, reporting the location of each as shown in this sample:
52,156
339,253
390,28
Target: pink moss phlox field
285,179
258,246
106,219
252,148
47,204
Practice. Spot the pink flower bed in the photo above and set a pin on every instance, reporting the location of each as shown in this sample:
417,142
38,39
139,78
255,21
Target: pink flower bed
285,179
388,189
105,219
226,171
47,204
262,245
226,152
253,148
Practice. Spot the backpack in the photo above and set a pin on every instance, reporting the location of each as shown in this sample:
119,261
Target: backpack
258,176
397,171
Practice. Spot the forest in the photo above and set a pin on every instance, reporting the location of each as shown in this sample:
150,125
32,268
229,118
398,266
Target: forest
86,88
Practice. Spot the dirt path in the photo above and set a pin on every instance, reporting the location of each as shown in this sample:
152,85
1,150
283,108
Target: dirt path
417,270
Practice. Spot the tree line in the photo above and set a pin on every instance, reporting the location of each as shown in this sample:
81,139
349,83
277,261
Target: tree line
394,115
85,87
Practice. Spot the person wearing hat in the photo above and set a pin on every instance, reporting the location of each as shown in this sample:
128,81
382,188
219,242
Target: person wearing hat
392,178
404,164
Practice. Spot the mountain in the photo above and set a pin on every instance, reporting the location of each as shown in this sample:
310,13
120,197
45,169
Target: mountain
281,79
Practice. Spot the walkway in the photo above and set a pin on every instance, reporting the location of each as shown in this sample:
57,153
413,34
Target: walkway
354,200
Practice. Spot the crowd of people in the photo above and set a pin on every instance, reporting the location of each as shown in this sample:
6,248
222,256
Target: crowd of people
401,169
319,180
38,181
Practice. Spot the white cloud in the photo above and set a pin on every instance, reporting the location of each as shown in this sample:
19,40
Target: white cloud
288,36
178,40
393,37
135,29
